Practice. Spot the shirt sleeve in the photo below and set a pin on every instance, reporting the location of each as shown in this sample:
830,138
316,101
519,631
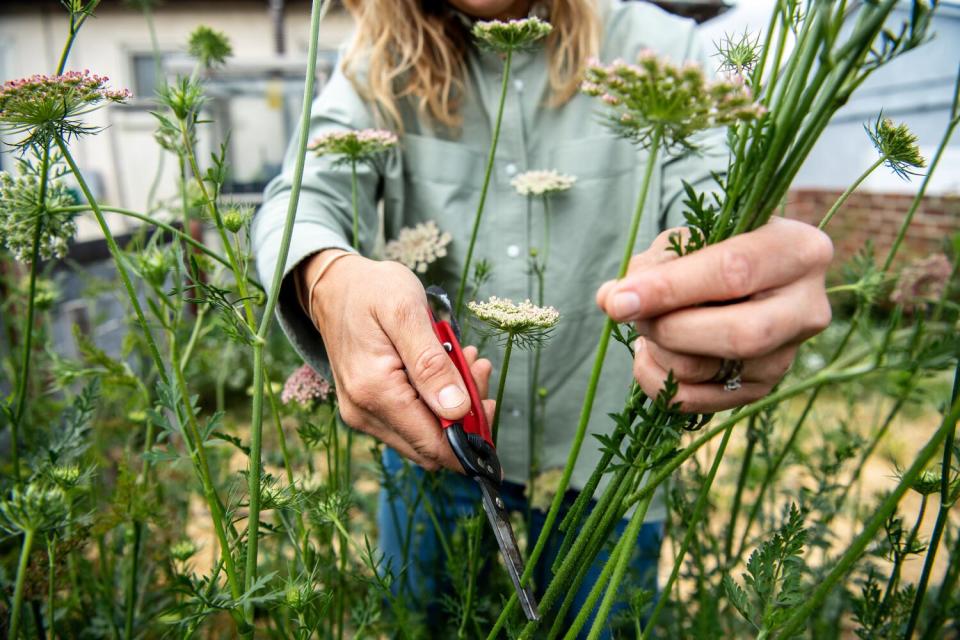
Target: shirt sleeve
324,214
698,166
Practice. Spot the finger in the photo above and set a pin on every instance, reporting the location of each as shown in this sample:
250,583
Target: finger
368,423
696,369
429,367
694,398
777,253
658,253
405,412
481,370
470,353
489,407
745,330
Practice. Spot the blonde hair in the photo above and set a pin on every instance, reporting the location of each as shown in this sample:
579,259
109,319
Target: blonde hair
417,48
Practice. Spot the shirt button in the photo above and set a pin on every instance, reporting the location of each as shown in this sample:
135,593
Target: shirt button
518,84
513,251
511,169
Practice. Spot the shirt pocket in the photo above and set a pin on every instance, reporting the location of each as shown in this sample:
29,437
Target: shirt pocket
442,181
590,222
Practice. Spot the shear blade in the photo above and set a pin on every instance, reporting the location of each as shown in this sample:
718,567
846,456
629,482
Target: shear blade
497,514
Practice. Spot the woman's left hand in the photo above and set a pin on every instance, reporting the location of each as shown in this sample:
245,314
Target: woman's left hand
772,283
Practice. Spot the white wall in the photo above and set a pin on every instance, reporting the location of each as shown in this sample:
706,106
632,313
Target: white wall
122,161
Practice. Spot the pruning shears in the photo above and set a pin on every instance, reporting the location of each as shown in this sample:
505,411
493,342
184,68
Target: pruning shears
473,445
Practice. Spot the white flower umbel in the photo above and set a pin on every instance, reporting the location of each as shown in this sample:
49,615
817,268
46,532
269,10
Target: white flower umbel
525,324
505,36
418,247
542,181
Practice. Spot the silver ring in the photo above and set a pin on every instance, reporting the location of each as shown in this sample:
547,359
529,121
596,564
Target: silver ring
729,374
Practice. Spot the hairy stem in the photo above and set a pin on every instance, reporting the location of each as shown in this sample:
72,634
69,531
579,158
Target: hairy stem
846,194
13,633
461,290
318,10
598,362
495,429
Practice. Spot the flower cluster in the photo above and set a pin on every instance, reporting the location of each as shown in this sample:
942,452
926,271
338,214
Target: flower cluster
897,145
921,281
21,212
419,247
657,96
541,182
305,386
512,35
45,107
354,146
525,321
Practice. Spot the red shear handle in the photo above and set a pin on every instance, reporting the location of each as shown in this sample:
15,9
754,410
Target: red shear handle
474,422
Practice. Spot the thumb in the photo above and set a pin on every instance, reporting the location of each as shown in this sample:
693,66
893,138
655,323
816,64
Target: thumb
429,367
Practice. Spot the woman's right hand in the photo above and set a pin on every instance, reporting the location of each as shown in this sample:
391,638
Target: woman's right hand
392,375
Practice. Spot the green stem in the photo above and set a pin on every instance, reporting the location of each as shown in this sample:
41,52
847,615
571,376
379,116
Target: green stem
118,261
943,513
501,387
181,235
598,362
461,291
130,597
355,208
13,633
318,10
75,25
846,194
692,530
51,586
741,484
619,561
198,453
881,514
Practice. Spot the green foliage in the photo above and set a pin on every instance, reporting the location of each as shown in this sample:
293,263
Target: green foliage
774,578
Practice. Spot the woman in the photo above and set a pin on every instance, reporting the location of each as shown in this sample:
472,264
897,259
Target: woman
412,67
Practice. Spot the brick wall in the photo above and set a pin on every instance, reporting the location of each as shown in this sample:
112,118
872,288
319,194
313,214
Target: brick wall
878,216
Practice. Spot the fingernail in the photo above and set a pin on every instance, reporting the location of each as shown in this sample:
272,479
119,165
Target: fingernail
626,304
451,396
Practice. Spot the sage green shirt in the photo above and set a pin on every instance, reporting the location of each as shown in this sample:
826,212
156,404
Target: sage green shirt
437,175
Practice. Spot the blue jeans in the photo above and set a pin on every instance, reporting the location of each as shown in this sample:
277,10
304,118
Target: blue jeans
423,576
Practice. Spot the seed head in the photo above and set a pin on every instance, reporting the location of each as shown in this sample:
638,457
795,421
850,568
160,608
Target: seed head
354,146
512,35
921,282
419,247
183,550
655,94
927,483
153,265
738,54
525,322
65,476
897,145
235,219
43,108
542,182
21,212
33,508
305,386
211,48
